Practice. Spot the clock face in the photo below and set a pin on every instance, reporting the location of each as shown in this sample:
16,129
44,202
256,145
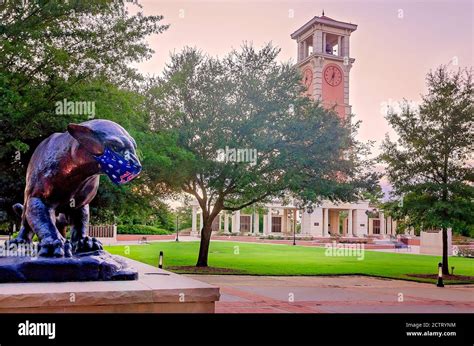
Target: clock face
333,75
307,77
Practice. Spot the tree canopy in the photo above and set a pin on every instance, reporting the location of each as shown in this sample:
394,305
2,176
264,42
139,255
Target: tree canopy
247,102
430,164
52,51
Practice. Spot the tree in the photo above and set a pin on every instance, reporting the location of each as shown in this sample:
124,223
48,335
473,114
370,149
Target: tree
74,50
248,104
431,162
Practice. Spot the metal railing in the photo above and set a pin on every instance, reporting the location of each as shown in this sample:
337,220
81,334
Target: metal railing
102,231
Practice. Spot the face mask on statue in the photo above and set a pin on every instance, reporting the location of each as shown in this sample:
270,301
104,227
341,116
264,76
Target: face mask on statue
118,168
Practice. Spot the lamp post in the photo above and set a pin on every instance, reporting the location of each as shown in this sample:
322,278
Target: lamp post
440,275
160,260
177,227
294,235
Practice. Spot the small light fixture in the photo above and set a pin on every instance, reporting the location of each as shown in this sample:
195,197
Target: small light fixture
160,260
440,275
177,227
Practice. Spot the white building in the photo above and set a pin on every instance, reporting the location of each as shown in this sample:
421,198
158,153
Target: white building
323,221
327,219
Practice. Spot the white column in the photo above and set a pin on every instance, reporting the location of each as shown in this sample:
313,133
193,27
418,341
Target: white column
226,222
317,42
339,46
300,51
256,223
284,226
201,222
324,42
382,224
316,222
269,221
237,221
349,223
305,49
325,222
357,222
194,221
346,46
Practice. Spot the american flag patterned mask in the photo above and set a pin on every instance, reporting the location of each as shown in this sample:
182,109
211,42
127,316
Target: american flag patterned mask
119,169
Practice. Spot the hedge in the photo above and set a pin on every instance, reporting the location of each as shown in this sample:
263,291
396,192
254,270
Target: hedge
35,236
140,229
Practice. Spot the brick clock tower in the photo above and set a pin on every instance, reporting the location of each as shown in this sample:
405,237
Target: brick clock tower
324,61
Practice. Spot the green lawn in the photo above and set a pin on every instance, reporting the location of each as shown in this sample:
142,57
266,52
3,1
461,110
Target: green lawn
268,259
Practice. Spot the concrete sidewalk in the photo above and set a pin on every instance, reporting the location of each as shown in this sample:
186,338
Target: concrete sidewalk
331,294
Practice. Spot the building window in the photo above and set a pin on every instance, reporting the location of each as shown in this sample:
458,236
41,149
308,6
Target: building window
376,224
245,223
276,224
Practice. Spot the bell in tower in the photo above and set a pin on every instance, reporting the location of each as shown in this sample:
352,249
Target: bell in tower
324,61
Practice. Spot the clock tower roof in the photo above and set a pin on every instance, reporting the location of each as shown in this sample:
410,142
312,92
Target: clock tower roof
326,17
324,20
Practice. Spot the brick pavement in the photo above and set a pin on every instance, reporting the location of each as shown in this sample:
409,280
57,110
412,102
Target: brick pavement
273,294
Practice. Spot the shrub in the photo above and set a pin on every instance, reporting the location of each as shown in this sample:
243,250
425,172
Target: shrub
272,237
140,229
34,239
352,241
461,240
230,234
465,251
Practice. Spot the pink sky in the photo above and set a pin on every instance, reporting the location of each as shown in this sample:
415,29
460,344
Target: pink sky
392,54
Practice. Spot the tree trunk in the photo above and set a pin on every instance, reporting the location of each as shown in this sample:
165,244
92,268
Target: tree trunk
205,241
445,251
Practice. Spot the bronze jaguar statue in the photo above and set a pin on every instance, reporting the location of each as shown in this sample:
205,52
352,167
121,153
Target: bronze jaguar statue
62,178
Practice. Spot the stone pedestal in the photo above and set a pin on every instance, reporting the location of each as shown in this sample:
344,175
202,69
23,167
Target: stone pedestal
92,266
155,290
